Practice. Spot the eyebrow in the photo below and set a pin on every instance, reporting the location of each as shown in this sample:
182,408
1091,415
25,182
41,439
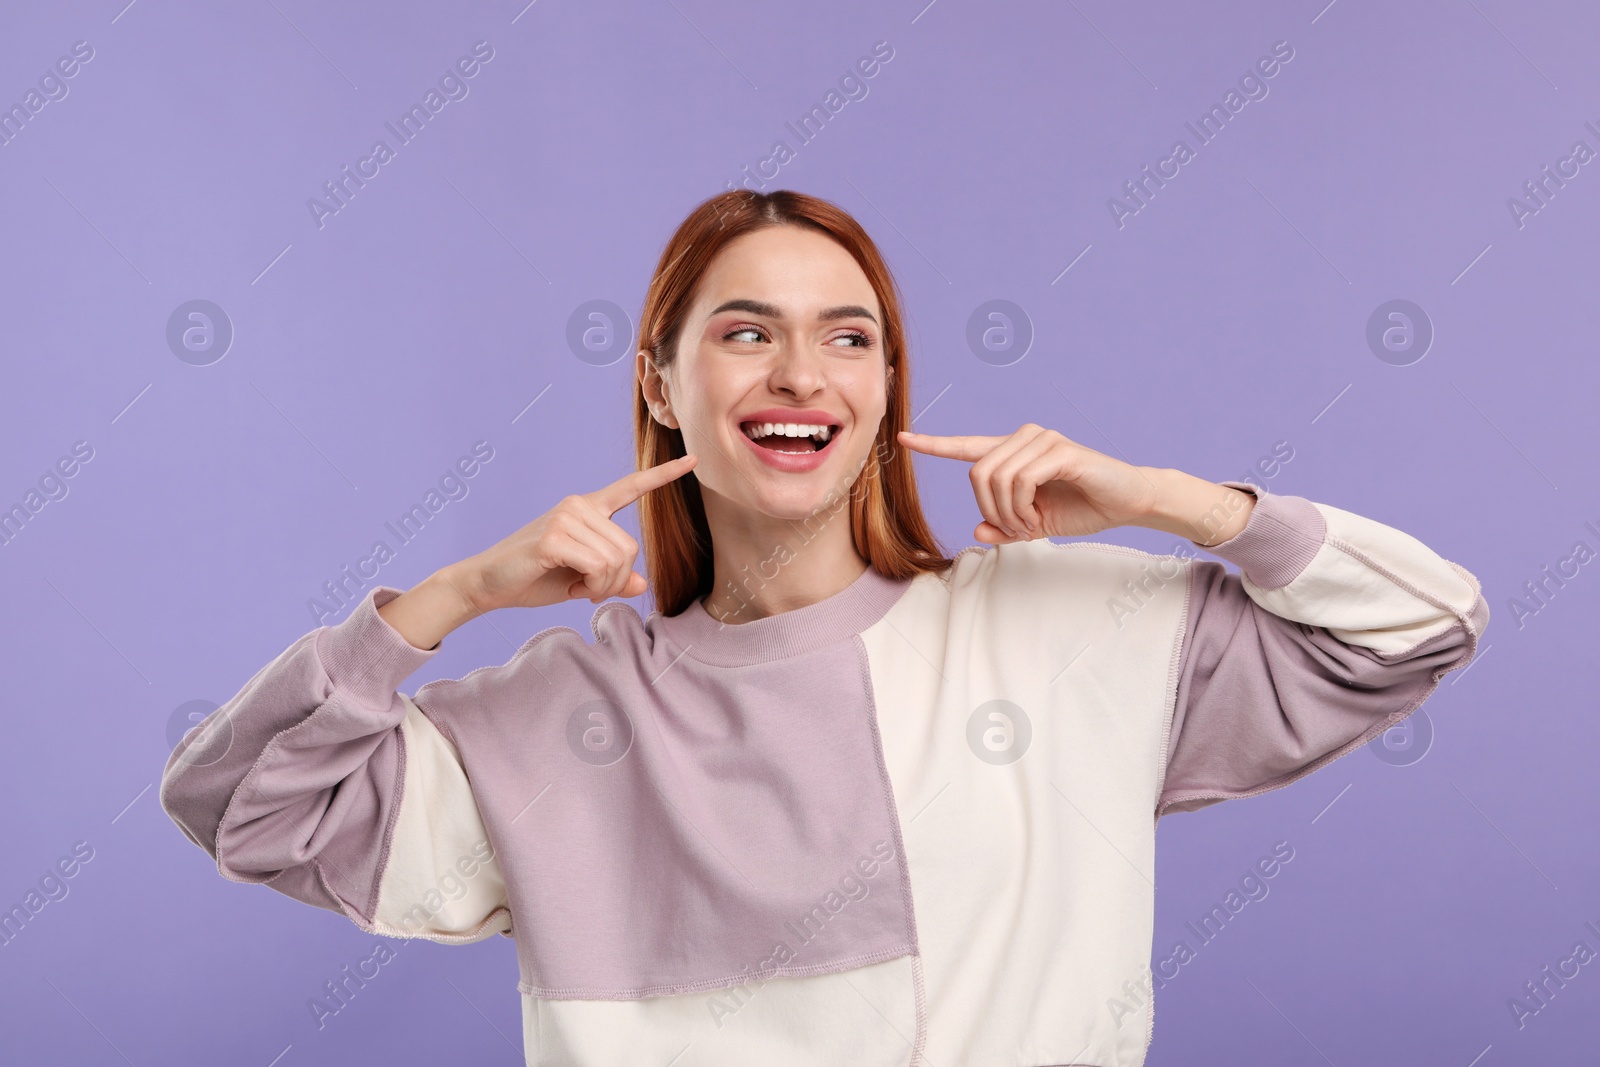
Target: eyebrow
771,311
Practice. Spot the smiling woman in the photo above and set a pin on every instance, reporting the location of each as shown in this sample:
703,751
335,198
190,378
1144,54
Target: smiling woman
774,310
839,797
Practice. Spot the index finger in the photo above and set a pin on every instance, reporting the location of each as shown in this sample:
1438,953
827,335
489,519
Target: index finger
969,448
630,487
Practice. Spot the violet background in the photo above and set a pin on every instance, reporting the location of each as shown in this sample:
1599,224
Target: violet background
369,354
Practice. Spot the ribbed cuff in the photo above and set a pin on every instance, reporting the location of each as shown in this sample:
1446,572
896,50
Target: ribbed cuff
365,650
1279,541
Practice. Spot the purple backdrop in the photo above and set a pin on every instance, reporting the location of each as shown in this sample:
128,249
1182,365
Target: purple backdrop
1380,262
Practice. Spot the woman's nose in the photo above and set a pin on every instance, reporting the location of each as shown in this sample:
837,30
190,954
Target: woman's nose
797,371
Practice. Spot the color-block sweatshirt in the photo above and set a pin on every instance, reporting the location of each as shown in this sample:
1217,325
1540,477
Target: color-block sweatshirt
912,823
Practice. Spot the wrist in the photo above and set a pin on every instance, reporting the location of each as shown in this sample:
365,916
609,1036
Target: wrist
1202,511
457,593
429,611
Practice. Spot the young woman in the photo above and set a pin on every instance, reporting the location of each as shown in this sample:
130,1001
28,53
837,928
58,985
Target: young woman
840,799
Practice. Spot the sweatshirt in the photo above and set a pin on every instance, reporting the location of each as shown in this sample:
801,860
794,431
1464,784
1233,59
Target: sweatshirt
912,823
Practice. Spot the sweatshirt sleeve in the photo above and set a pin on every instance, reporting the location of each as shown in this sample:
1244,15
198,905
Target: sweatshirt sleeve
1336,628
323,781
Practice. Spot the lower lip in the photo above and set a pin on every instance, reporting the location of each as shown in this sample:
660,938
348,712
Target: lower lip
790,461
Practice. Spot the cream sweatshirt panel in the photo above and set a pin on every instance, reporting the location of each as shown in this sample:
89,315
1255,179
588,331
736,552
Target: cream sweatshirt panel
1033,878
1374,586
441,880
864,1017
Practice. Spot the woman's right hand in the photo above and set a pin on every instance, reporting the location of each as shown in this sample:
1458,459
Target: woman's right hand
573,550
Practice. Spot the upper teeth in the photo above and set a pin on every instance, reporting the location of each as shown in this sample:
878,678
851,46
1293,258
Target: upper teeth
787,429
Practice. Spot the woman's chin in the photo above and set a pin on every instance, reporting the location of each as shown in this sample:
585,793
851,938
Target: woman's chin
789,501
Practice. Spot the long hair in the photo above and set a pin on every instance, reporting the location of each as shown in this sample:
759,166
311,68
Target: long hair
886,517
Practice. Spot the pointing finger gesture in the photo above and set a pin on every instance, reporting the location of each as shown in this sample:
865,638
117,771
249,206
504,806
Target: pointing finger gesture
573,550
1038,483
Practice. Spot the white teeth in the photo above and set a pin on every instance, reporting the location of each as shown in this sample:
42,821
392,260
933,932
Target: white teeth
788,429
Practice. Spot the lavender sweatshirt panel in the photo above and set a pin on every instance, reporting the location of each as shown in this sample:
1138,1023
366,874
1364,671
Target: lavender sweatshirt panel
211,760
668,825
296,779
1263,700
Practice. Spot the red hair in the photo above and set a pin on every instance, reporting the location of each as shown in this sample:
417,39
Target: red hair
886,517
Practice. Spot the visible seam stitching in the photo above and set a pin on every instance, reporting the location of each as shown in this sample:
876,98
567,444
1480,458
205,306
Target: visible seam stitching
1464,618
475,934
394,818
1411,650
515,656
1463,622
1174,677
449,735
1104,546
1366,735
920,998
887,789
1367,561
728,981
333,700
688,650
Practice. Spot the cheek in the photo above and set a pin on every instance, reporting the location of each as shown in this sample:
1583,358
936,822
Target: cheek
703,413
697,404
869,403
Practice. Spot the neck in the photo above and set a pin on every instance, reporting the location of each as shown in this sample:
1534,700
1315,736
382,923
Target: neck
764,566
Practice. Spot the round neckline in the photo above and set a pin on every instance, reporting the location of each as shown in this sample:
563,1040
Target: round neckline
788,633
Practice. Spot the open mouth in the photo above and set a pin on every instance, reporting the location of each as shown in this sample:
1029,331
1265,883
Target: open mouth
790,436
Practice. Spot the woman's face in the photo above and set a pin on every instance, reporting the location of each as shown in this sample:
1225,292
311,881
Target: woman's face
784,329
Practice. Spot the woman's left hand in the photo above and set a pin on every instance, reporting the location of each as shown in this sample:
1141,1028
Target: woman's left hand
1039,483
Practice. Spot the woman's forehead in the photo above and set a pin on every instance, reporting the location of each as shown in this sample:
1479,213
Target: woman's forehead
804,283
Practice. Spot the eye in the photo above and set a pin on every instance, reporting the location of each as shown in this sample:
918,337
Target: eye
731,334
863,341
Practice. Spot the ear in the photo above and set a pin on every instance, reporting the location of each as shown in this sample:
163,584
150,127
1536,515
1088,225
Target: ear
655,388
